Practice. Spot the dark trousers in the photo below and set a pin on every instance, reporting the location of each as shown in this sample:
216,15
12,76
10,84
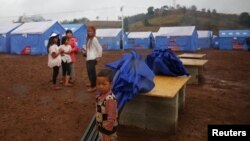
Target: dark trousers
92,72
55,74
66,69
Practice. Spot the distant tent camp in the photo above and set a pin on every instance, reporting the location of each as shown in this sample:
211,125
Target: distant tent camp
32,38
233,39
140,40
182,38
79,31
111,38
204,39
5,29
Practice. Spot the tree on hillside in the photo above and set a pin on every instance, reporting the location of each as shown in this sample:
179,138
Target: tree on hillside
203,10
151,11
165,7
245,19
214,11
178,6
146,23
126,24
193,8
208,11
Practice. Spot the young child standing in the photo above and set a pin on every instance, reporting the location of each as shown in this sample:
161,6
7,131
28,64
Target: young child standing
106,107
73,44
93,54
66,59
54,57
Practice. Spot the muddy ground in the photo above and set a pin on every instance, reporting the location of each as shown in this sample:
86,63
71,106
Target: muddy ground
31,111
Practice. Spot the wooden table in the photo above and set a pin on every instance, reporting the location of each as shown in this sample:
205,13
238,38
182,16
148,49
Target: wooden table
191,55
195,68
158,109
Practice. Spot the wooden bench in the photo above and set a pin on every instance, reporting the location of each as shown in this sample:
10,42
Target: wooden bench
191,55
195,68
158,109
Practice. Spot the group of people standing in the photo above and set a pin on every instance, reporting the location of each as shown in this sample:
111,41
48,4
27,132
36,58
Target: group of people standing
63,54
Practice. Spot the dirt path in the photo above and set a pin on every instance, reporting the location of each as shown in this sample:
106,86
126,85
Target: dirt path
31,111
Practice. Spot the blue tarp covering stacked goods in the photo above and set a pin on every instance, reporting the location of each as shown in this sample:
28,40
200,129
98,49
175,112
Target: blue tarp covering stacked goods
32,38
141,40
165,62
111,38
204,39
133,77
233,39
79,32
182,38
5,29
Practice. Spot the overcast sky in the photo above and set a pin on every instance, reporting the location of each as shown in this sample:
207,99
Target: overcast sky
106,9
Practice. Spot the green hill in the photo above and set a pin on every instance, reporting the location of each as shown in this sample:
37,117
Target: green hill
202,20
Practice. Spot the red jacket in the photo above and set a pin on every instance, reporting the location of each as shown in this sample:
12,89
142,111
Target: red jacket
73,44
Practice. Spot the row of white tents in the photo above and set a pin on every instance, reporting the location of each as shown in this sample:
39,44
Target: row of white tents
32,38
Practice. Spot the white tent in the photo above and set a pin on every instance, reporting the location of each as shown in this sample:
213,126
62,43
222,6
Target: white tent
176,31
108,32
34,27
179,38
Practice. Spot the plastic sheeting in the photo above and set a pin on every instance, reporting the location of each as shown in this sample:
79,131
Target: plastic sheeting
132,77
165,62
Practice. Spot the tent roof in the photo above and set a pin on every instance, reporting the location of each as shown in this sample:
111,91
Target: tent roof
33,27
204,33
7,27
139,34
109,32
176,31
154,33
234,33
73,27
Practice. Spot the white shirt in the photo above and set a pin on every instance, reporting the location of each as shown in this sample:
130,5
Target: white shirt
65,56
52,62
94,49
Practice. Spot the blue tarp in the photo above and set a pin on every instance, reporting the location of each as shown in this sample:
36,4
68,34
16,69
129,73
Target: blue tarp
132,77
32,38
79,31
233,39
165,62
